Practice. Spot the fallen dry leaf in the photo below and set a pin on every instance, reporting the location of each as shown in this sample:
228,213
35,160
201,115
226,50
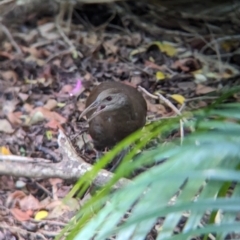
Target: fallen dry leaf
14,198
179,98
6,55
5,126
23,96
166,47
52,124
110,47
33,51
29,203
201,89
9,106
156,108
41,215
9,75
27,107
7,183
42,113
15,118
136,80
51,104
186,65
51,205
152,65
66,89
20,215
4,150
58,211
160,75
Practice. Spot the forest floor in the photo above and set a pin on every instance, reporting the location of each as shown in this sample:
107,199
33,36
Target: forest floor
48,68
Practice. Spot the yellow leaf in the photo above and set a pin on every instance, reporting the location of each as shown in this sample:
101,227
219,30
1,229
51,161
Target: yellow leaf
41,215
160,75
179,98
166,47
228,46
59,104
137,51
4,150
49,135
151,59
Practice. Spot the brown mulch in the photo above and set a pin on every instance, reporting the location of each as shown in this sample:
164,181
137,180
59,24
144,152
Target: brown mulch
180,56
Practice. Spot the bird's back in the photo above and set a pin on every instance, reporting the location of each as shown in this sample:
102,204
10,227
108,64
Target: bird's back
110,127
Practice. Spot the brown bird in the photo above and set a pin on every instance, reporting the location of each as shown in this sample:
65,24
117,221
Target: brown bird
114,111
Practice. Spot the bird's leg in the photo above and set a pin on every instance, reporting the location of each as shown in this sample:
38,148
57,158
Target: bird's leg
99,155
117,159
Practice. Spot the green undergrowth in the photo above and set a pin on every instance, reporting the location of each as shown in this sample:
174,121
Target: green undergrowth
193,180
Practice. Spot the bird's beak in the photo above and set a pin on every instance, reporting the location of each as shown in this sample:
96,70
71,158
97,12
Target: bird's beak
95,105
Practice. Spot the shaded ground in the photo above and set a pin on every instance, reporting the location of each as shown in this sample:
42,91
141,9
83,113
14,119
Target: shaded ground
188,59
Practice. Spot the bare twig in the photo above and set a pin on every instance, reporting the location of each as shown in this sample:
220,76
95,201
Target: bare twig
60,30
160,96
217,40
61,53
165,100
9,36
23,159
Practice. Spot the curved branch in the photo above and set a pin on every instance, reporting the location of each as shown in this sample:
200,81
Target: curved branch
72,167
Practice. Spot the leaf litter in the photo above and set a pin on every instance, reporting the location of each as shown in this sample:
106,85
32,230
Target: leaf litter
47,85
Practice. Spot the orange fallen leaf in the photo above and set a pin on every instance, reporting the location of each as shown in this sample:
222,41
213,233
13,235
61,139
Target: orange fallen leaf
20,215
52,124
14,198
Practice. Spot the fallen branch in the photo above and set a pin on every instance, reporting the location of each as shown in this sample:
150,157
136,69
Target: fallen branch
72,167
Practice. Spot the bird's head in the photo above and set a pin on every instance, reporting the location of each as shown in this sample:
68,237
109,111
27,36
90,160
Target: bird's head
107,100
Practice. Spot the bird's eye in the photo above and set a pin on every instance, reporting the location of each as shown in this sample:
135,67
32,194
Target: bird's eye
109,98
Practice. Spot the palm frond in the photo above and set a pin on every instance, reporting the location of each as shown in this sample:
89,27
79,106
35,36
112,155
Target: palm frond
196,189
